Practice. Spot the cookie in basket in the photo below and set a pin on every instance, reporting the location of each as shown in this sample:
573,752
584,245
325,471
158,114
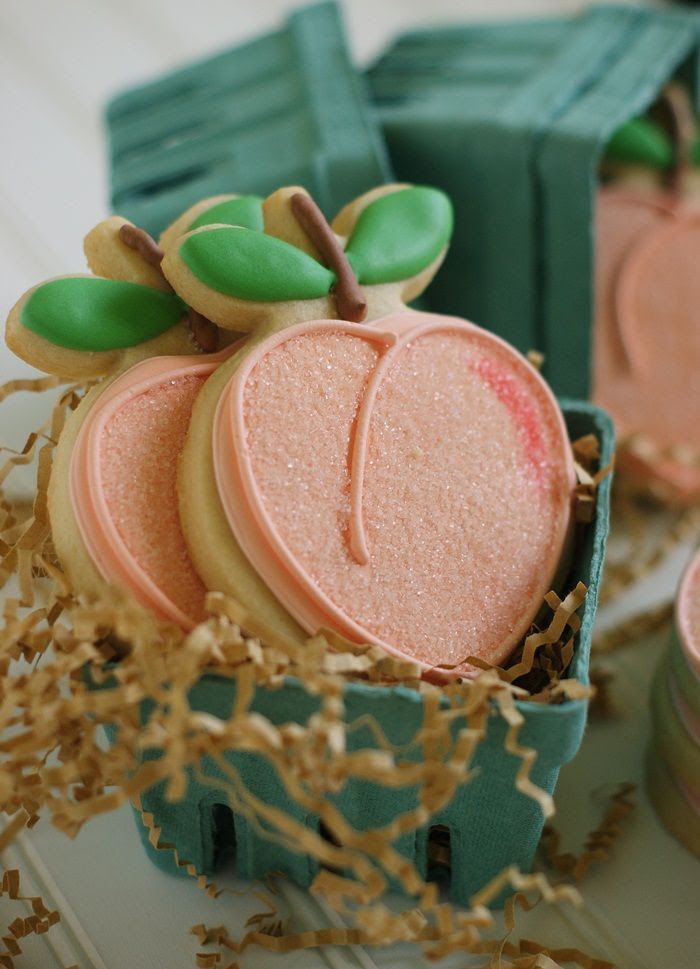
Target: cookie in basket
402,478
113,498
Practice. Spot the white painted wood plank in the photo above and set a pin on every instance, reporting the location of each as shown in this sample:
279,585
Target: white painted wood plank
51,173
84,50
130,912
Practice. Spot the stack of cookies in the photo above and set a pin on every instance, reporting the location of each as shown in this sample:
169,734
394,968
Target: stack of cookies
674,758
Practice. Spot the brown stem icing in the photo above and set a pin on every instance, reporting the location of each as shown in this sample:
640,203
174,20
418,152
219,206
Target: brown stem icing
204,332
674,112
349,298
143,243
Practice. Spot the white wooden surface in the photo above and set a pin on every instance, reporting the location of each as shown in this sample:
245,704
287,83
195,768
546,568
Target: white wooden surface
59,61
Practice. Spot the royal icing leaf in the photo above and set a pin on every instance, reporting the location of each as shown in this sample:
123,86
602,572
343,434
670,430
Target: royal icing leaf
253,266
641,142
90,313
245,210
399,235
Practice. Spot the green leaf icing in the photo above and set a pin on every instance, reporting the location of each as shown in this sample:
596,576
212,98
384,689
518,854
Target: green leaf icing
90,313
400,234
246,210
254,266
640,142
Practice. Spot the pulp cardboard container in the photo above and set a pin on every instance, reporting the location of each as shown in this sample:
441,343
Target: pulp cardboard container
658,47
490,823
289,108
285,109
511,120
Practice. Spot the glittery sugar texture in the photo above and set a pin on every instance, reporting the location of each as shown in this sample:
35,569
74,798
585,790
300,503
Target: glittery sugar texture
464,490
141,445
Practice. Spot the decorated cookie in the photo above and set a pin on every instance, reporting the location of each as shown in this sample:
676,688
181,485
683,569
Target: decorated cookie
677,805
402,478
647,308
113,497
674,771
676,730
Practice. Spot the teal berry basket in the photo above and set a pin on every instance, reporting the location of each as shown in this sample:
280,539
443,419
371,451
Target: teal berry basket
218,125
285,109
511,120
490,823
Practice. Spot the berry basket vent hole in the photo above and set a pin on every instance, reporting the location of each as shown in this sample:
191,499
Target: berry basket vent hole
331,839
439,854
223,835
147,188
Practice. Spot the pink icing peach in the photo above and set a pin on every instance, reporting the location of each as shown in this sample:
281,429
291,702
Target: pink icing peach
406,483
647,331
124,484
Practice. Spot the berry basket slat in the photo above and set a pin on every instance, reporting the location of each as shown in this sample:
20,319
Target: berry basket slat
287,108
659,47
489,823
511,119
464,108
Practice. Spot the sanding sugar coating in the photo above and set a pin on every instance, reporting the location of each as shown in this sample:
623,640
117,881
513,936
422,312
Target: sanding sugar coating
422,440
124,485
138,466
688,614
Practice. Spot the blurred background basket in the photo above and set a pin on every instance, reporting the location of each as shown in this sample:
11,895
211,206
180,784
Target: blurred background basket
511,120
286,109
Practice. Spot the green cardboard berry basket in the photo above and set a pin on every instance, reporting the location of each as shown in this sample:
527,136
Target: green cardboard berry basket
490,823
216,127
511,120
659,46
285,109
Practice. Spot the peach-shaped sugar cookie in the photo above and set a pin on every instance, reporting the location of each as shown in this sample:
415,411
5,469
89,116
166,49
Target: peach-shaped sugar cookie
404,483
646,348
113,498
400,477
647,332
123,484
